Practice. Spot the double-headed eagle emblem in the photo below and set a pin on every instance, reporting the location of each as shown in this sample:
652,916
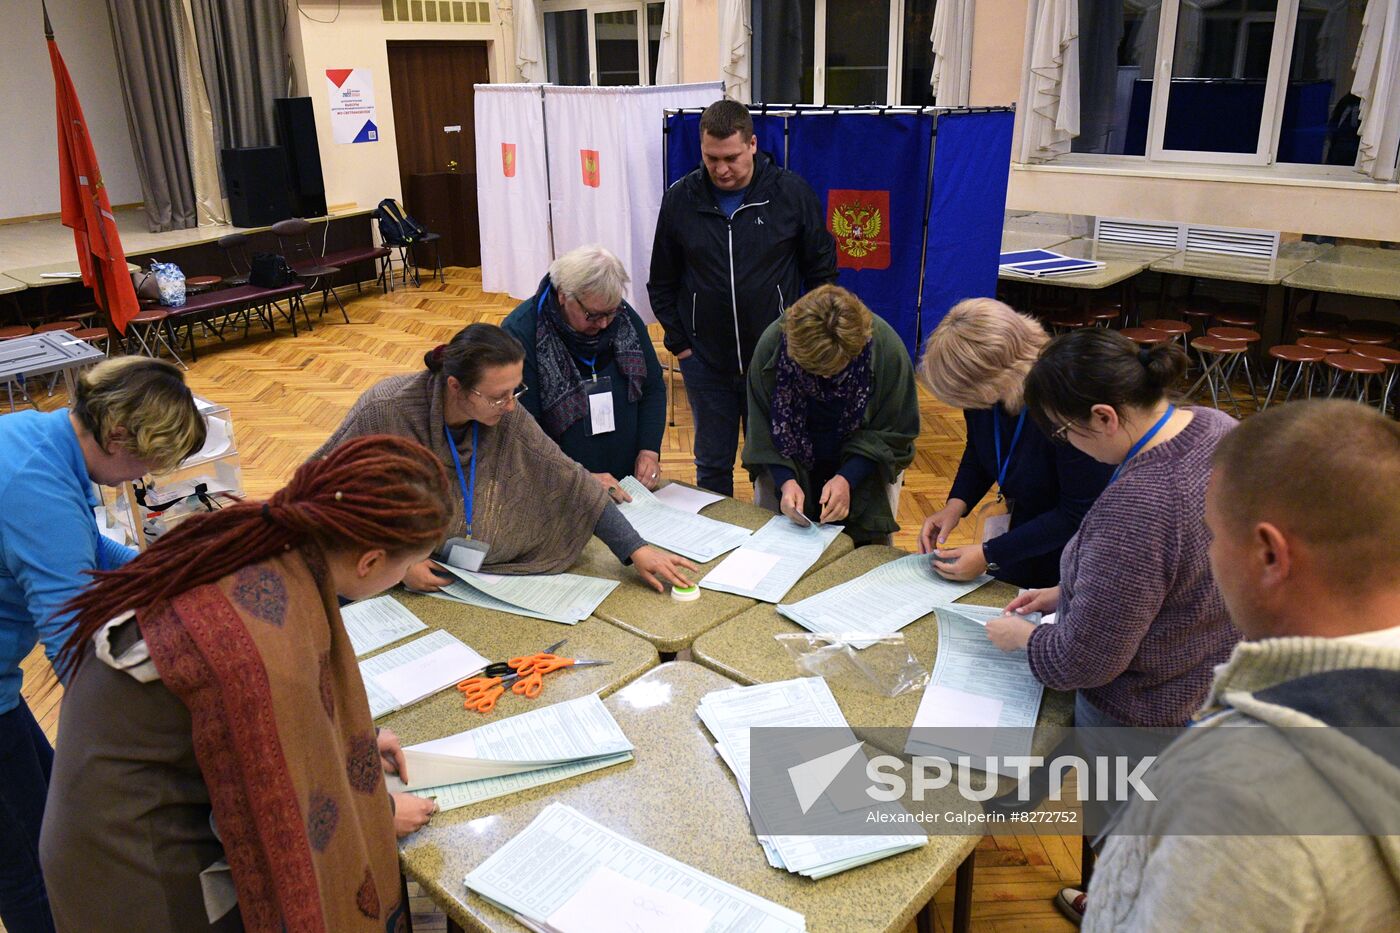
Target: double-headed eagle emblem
856,227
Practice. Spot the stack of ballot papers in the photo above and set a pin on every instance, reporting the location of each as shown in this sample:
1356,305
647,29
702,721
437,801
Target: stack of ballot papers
374,623
567,598
880,602
410,672
987,699
772,561
682,532
565,873
686,498
539,747
804,702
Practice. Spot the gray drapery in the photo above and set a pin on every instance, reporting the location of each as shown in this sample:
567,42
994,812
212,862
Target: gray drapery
243,55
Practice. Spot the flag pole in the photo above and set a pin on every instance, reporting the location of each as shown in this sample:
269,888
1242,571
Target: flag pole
48,27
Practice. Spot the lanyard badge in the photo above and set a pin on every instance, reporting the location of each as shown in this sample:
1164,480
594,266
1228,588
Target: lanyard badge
465,553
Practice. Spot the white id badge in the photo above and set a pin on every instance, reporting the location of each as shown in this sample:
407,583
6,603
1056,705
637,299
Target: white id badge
995,526
600,407
464,553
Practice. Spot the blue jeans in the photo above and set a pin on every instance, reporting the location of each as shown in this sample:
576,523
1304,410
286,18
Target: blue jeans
26,761
719,404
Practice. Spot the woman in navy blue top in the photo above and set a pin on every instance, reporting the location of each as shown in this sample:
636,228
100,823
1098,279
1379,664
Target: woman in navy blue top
977,359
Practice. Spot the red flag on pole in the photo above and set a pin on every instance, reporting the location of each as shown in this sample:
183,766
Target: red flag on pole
86,207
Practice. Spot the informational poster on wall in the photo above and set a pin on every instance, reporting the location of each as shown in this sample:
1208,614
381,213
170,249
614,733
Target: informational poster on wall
352,105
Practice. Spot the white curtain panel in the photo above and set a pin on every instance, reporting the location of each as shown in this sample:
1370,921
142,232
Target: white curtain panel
511,187
1052,114
530,65
605,149
1378,85
952,52
735,55
668,55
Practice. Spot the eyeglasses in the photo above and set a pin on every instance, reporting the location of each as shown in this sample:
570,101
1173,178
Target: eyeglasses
503,402
594,317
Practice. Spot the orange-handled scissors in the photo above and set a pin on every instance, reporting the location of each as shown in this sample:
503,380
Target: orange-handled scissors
531,668
481,693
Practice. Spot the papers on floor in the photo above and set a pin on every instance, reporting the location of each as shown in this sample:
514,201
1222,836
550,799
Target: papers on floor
1042,263
695,536
539,747
548,877
685,498
879,602
803,702
772,561
374,623
975,686
566,598
410,672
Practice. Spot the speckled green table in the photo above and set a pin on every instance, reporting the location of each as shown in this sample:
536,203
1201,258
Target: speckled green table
668,624
680,799
498,636
744,648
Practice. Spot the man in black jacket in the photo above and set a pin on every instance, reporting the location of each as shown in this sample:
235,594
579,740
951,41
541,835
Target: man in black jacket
737,241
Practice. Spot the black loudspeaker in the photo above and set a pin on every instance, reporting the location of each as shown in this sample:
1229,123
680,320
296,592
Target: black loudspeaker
296,128
256,181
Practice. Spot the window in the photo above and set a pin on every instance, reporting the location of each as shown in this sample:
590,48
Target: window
604,44
841,51
1251,81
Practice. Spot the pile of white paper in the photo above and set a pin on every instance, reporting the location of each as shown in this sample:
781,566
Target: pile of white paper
567,598
374,623
689,535
772,561
410,672
539,747
880,602
804,702
565,873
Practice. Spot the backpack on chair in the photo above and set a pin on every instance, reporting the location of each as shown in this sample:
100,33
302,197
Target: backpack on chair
397,228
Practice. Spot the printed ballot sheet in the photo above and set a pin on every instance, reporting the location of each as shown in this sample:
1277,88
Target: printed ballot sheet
557,597
685,498
772,561
374,623
880,602
408,673
975,684
695,536
548,863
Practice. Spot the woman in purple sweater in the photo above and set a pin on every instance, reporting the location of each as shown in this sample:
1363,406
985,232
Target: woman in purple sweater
1140,624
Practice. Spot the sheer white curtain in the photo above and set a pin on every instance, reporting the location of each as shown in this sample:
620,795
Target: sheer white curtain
530,65
1378,85
668,55
952,52
1052,87
735,58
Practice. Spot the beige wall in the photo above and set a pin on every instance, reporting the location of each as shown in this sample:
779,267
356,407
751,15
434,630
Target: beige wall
364,173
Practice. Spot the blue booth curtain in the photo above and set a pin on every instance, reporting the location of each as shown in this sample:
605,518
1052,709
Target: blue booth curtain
683,142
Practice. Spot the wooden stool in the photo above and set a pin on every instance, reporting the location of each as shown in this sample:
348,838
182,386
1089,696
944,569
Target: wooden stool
1199,312
1071,319
1318,324
1303,359
1325,344
1238,318
1356,371
1219,360
1179,331
1234,333
17,330
151,328
1361,336
1387,357
52,326
1103,315
99,337
202,283
1146,336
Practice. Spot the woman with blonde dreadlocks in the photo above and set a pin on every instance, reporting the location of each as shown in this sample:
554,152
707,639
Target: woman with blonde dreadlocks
218,767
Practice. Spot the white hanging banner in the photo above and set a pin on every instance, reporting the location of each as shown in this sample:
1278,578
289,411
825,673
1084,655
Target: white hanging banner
512,190
351,92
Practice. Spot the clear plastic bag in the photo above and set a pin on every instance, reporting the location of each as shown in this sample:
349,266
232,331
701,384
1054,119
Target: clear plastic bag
171,281
879,664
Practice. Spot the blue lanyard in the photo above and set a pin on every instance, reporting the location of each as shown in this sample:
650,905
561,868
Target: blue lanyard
1134,450
1003,466
468,492
589,362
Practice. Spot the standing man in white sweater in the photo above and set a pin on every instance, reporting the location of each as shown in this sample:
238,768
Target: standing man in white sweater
1276,826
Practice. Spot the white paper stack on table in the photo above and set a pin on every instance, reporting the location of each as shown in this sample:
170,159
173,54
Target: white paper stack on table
408,673
805,702
686,498
880,602
689,535
565,873
374,623
772,561
539,747
567,598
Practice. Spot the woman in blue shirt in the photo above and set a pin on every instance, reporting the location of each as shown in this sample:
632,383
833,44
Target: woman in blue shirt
132,416
977,360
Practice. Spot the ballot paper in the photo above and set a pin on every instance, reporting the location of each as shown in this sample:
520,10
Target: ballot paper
536,874
374,623
408,673
685,498
880,602
772,561
558,597
612,903
695,536
217,439
973,680
459,592
802,702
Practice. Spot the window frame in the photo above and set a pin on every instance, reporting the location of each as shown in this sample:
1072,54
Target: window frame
894,56
592,8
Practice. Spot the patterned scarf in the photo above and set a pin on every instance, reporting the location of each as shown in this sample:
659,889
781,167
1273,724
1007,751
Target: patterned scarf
848,391
563,391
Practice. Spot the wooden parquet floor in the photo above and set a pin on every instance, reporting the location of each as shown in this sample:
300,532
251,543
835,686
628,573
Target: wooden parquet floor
287,394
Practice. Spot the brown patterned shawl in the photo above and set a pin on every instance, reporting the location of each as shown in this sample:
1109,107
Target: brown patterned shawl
283,736
535,506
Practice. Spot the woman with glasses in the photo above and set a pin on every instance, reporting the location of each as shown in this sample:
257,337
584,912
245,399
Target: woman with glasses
595,383
1139,624
977,359
520,506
